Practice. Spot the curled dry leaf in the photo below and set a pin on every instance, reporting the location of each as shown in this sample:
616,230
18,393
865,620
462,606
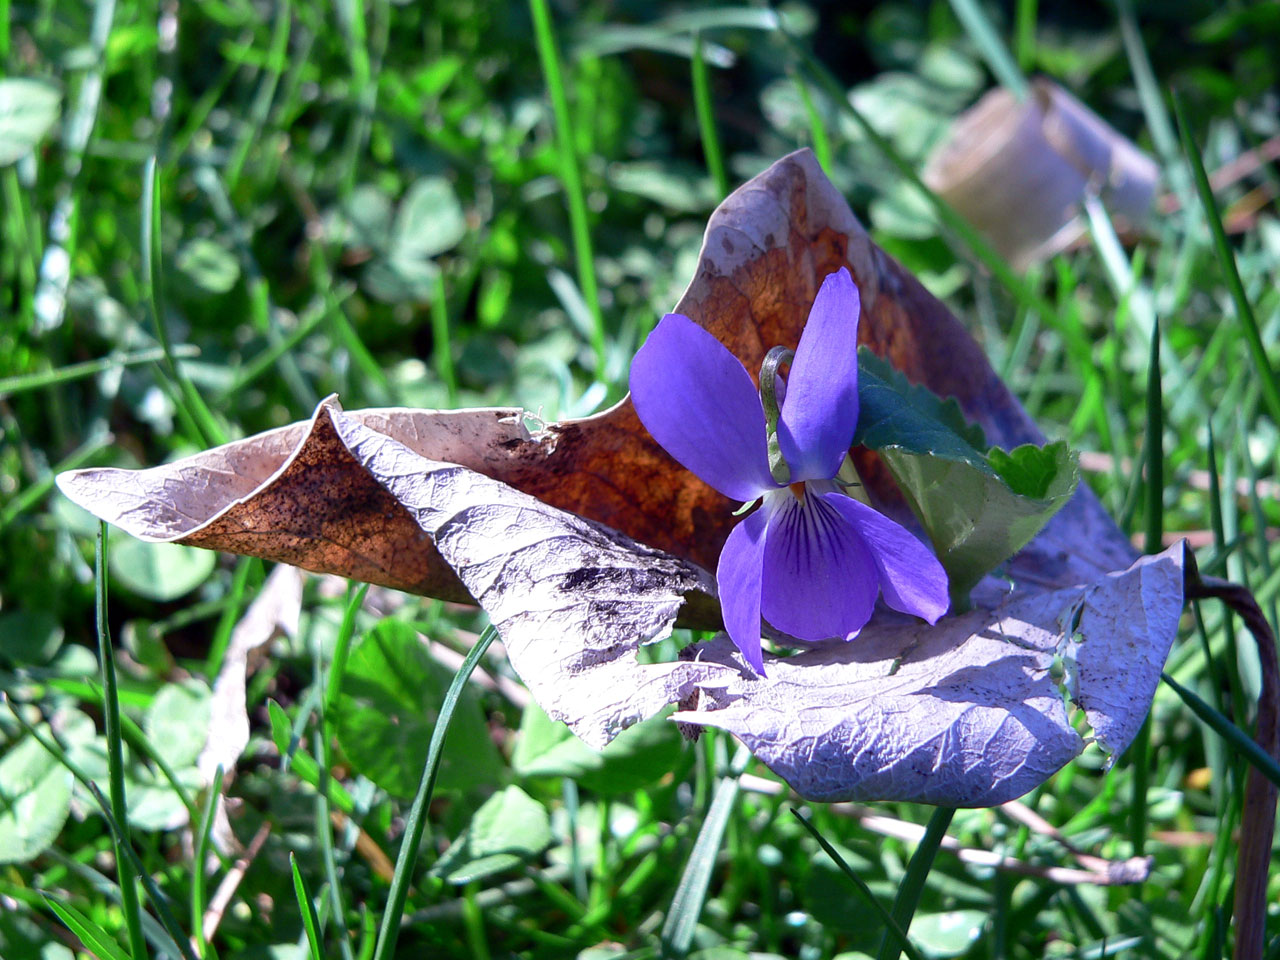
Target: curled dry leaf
583,540
274,610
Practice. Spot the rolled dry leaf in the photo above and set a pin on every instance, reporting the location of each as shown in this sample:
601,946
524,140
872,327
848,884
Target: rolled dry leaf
1018,171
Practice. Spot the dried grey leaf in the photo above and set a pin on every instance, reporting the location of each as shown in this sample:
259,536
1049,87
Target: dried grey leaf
275,610
573,600
969,712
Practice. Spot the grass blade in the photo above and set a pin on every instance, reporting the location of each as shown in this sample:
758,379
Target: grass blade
570,176
1226,259
33,494
201,855
115,751
984,36
691,893
94,938
389,931
1236,738
310,922
1024,33
1154,534
156,934
78,371
321,739
187,398
817,129
166,936
1140,751
892,927
908,898
272,68
342,645
158,899
301,763
441,347
707,119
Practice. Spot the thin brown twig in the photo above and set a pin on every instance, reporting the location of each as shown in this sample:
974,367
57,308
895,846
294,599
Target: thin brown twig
221,898
1258,813
367,847
1020,813
1196,539
1095,462
1233,170
1101,872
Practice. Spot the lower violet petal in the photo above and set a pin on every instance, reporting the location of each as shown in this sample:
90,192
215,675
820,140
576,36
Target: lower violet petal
738,579
820,581
911,577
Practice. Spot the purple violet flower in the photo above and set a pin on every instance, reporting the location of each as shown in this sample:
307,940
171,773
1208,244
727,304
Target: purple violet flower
811,560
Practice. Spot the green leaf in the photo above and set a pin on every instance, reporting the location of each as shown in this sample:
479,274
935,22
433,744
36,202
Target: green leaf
978,508
35,791
400,279
177,721
894,412
947,934
29,638
975,520
365,220
509,829
1029,471
210,266
384,713
159,571
28,109
638,758
429,222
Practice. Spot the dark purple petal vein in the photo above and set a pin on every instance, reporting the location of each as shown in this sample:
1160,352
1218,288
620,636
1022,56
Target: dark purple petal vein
820,580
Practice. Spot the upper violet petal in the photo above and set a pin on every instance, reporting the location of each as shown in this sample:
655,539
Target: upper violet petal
820,413
820,580
702,407
911,577
738,577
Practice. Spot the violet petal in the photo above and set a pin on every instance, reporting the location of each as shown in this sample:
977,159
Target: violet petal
911,577
820,413
820,580
702,407
738,578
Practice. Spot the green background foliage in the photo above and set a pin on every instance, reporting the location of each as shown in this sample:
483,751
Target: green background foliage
471,203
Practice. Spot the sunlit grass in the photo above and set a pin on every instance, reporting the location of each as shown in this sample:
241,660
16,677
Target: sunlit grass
266,258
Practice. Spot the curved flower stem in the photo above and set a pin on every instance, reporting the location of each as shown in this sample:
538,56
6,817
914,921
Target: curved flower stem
773,362
908,898
1258,816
